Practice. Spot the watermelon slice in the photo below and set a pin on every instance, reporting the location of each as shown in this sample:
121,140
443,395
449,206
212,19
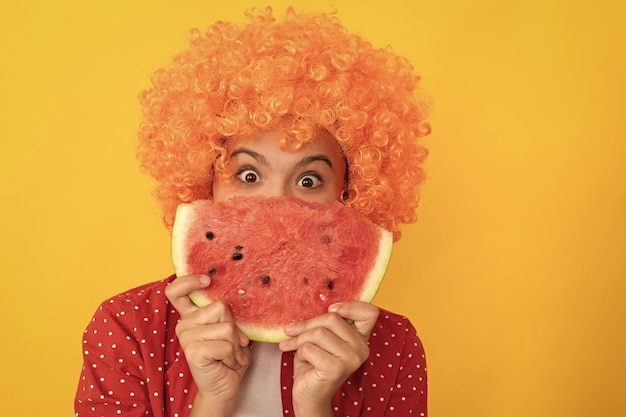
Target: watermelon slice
278,260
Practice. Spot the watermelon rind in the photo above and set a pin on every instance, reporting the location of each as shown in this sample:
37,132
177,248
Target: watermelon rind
183,222
379,270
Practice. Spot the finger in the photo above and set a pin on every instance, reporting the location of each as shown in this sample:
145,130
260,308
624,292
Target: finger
331,321
188,332
208,316
319,336
177,292
204,353
193,329
362,315
344,320
331,333
317,357
327,353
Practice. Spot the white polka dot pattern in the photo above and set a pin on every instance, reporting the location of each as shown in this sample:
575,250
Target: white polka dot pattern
134,366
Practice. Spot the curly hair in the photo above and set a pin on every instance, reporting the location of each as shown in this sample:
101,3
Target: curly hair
306,71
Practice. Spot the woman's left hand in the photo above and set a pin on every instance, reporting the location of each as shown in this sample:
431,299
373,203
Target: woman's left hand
329,348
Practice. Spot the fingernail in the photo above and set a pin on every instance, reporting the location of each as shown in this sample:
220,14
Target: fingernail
333,308
205,280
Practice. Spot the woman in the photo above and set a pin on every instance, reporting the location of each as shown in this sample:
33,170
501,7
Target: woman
295,108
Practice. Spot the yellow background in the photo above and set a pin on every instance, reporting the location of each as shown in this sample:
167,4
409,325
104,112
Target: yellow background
514,273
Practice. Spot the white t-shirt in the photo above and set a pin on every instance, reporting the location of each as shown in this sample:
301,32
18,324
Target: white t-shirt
259,394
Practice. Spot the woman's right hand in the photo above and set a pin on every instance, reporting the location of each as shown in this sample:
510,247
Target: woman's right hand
215,349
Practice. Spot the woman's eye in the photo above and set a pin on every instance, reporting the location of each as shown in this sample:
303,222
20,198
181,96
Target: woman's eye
309,181
248,176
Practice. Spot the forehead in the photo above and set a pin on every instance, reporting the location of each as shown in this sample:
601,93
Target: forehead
277,141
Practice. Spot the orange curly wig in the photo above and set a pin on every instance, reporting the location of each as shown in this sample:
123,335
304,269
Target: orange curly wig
306,71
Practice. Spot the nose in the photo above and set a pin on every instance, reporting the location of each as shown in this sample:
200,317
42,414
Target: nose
279,189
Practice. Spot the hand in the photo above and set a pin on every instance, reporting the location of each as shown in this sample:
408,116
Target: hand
215,349
329,348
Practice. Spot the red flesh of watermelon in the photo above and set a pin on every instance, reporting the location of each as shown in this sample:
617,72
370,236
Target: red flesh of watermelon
278,260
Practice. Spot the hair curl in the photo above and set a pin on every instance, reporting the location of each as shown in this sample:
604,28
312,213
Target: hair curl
306,71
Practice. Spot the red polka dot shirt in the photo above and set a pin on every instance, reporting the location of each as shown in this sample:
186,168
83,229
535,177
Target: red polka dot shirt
134,365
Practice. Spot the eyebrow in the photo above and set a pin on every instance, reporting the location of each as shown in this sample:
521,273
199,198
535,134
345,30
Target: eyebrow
262,160
313,158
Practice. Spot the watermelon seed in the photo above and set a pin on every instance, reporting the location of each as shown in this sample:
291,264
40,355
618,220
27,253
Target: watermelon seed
266,279
237,256
238,248
241,292
327,240
330,285
322,297
212,272
210,235
306,280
